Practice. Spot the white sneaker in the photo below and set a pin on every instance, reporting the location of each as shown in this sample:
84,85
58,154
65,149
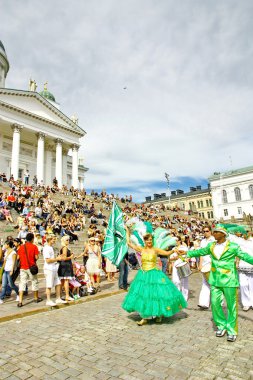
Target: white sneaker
50,303
69,299
17,299
246,308
1,301
59,301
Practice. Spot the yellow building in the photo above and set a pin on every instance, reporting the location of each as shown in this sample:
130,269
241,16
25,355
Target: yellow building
197,200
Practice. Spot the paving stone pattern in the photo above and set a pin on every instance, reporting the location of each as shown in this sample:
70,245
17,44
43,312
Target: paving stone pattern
99,340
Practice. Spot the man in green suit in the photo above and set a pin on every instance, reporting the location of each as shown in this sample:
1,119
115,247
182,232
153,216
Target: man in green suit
223,280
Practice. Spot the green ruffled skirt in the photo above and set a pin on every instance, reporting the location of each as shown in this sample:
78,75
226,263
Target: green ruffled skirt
152,294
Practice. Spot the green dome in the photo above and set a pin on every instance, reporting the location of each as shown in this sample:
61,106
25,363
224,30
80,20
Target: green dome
47,95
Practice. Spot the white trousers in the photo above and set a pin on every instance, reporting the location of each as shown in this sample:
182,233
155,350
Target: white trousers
182,284
246,288
204,295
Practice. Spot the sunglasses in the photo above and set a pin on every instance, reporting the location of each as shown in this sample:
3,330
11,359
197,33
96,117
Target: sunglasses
206,231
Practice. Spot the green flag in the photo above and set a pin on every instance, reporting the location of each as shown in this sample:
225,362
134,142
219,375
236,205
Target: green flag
115,244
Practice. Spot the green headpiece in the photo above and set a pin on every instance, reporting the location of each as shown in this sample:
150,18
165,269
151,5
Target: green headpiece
220,228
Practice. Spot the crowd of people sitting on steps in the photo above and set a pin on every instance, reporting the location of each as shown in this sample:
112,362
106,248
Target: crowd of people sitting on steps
44,215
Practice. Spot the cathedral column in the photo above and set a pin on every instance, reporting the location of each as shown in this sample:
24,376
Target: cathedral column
58,162
40,158
75,182
49,160
15,150
65,166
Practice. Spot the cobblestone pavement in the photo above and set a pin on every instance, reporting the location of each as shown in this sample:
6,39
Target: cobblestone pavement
99,340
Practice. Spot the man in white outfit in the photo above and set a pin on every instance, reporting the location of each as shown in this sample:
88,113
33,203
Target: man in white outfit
204,295
246,278
181,283
245,270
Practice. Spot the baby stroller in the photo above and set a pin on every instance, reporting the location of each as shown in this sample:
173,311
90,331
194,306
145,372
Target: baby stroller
83,279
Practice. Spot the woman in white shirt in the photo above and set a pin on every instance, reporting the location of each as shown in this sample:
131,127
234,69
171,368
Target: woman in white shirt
9,262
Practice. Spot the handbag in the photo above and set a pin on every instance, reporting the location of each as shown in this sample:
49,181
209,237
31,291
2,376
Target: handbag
1,273
33,268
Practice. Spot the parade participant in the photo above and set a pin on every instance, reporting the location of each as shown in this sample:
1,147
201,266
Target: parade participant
205,261
223,280
151,293
239,235
246,276
182,284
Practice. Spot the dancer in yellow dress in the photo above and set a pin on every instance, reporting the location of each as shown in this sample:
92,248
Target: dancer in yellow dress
151,293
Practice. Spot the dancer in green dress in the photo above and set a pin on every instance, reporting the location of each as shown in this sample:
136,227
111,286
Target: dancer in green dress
151,293
223,280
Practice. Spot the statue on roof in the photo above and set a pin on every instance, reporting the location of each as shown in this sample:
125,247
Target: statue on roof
45,86
74,119
32,85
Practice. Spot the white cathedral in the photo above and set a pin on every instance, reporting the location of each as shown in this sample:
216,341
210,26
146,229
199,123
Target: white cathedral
36,136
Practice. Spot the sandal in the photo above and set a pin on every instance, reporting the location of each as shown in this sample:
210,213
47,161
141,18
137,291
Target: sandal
19,304
37,300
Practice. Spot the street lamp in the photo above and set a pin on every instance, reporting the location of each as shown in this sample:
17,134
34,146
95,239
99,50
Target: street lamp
167,176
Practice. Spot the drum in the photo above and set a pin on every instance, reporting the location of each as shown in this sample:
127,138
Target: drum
183,269
206,270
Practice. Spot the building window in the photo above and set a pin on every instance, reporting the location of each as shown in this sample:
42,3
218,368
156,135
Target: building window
239,210
201,204
207,202
237,194
203,215
208,214
224,196
198,204
210,202
211,214
225,212
251,191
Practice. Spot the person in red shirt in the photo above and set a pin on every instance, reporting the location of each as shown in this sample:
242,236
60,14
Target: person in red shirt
28,254
11,200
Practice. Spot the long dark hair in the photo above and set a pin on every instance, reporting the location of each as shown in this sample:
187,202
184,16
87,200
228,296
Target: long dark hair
9,243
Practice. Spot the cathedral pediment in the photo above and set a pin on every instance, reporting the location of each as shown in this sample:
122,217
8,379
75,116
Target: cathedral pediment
36,106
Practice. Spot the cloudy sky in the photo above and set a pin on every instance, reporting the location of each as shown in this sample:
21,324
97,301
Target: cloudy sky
159,86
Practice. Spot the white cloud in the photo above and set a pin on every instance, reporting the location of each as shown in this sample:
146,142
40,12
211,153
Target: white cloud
187,67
